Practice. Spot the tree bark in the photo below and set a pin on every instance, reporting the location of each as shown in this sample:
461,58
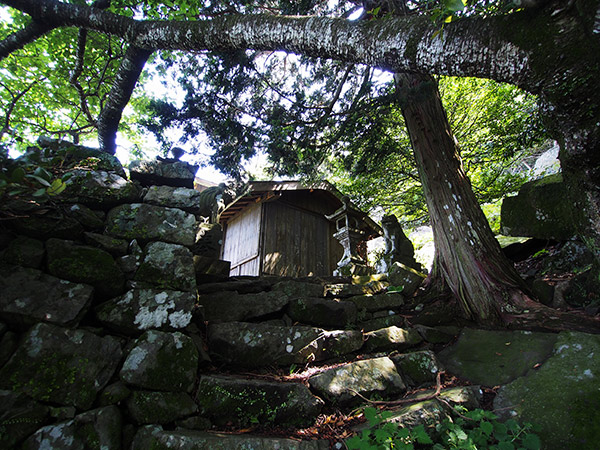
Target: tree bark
468,256
127,76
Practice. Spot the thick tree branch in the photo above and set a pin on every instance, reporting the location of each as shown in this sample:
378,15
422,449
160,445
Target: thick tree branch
129,71
19,39
494,47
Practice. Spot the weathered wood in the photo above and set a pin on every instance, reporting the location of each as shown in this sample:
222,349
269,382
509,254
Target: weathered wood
241,242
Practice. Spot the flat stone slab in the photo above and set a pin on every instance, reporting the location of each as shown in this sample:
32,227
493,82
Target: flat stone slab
229,306
168,173
562,396
28,296
63,366
141,309
256,345
418,367
378,375
322,312
378,302
392,338
151,223
154,437
223,399
492,358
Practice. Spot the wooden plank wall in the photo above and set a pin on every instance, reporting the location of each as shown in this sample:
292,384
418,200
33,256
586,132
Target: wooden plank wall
295,242
241,242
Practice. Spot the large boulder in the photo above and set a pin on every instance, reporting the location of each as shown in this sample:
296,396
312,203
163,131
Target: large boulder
160,407
28,296
378,302
365,377
174,197
209,239
49,223
418,367
114,246
168,173
58,365
259,345
492,358
99,428
141,309
230,306
245,402
541,209
148,223
405,278
85,264
161,361
153,437
561,397
167,266
99,189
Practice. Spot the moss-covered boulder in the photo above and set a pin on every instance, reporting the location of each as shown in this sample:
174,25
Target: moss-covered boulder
167,266
84,264
492,358
148,223
174,197
562,396
160,407
20,416
24,251
53,223
29,296
161,361
62,366
405,278
391,338
99,189
99,428
89,219
229,306
418,368
542,209
259,345
323,312
141,309
246,402
378,323
344,383
154,437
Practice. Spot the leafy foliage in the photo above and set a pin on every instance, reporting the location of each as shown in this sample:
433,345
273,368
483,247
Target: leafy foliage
467,430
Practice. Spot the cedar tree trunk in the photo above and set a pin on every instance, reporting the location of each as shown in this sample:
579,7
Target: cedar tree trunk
468,256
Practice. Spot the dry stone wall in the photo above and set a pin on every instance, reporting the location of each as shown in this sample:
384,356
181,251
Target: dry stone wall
115,314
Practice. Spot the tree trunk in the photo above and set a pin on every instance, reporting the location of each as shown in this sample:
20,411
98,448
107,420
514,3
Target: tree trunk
468,256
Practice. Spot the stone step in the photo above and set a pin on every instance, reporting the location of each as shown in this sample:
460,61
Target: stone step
155,437
260,345
227,399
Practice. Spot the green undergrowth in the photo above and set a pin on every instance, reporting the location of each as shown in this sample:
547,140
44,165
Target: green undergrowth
465,430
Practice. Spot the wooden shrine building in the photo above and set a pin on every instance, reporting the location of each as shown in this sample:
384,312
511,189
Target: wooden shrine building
280,228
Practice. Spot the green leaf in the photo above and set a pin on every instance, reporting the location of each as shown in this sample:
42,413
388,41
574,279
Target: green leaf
532,442
56,187
420,435
40,180
504,445
40,192
17,175
454,5
42,173
486,427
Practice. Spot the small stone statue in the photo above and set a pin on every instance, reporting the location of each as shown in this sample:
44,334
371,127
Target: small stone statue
398,247
176,153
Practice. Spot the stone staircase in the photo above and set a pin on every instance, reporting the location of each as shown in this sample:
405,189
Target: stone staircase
119,330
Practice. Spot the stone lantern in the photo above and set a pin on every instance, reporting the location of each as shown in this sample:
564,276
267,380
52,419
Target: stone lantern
352,231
